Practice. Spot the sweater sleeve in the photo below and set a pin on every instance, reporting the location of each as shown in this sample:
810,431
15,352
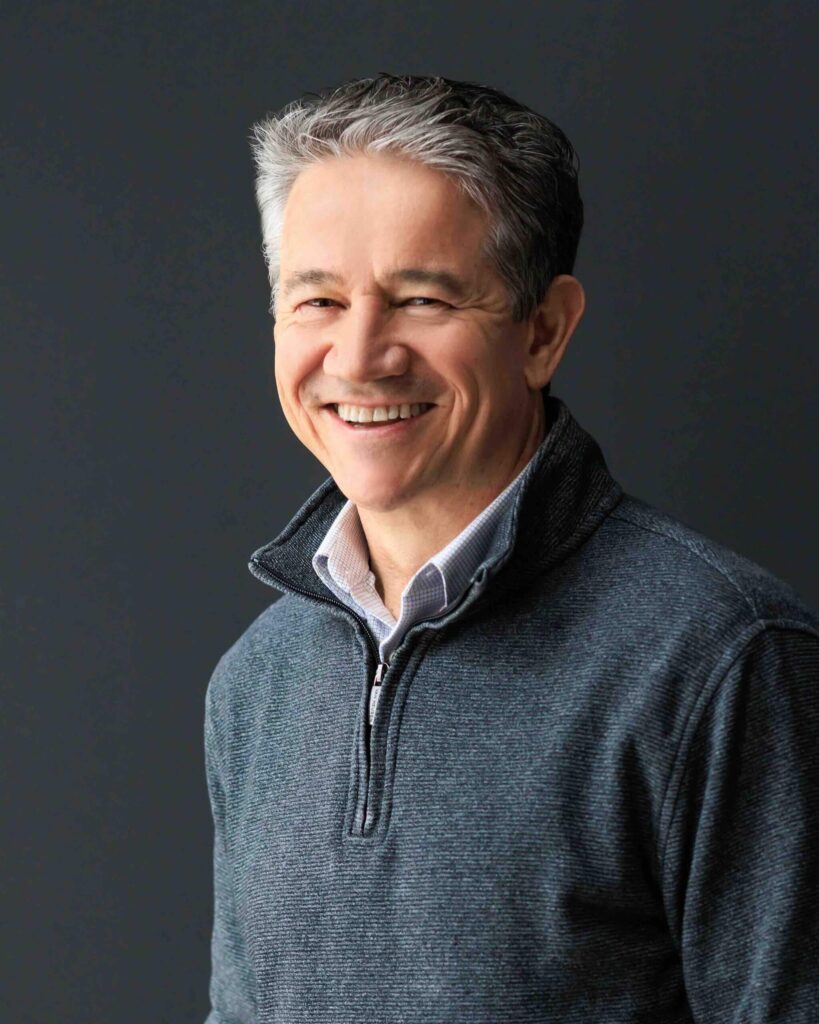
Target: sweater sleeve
231,992
741,853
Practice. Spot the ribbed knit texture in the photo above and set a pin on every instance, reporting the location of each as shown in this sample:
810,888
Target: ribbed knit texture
593,784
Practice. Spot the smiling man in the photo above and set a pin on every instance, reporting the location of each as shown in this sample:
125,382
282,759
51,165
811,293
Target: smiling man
512,745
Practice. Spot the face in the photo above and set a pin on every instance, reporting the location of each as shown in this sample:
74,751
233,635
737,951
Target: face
386,301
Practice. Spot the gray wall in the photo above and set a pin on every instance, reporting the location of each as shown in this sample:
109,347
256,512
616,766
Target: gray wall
148,457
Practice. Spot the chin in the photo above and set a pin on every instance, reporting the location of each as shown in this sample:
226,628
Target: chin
379,493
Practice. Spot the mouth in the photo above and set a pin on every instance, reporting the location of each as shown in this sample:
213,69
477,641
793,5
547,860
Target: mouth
391,419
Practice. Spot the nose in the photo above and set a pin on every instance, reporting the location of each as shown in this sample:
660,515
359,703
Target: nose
363,344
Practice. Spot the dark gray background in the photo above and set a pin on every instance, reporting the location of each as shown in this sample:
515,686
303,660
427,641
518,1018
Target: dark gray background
145,454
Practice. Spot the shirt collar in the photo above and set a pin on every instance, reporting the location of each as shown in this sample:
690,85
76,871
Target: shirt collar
343,552
484,536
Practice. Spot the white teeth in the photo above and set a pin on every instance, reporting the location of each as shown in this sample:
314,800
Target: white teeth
362,414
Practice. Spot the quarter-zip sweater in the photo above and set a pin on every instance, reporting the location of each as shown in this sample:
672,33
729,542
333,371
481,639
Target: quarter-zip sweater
590,791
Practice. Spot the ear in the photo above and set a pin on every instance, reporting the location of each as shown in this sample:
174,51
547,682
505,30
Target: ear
552,324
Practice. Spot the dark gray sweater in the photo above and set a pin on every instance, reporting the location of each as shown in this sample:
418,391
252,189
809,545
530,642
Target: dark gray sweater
590,792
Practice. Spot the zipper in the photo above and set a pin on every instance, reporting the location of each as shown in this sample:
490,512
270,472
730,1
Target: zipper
375,689
374,696
377,680
375,685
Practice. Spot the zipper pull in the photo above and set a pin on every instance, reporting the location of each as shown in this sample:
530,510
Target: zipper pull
375,691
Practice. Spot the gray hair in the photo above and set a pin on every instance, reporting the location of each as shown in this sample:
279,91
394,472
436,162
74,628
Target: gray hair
517,165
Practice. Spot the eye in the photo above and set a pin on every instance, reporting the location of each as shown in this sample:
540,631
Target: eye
422,298
310,302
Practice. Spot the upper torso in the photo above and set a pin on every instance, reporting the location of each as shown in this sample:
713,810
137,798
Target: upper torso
510,839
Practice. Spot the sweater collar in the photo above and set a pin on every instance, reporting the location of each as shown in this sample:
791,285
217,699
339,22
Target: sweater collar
565,492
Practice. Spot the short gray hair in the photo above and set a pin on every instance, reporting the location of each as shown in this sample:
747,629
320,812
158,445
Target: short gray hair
517,165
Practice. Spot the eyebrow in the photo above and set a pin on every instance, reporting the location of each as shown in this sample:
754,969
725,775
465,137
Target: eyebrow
411,275
312,276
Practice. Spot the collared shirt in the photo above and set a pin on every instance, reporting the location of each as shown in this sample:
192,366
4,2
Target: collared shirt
342,564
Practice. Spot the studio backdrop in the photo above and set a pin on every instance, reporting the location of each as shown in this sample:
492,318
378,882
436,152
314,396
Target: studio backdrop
145,454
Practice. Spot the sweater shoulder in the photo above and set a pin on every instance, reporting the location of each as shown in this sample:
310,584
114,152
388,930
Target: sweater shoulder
672,557
235,681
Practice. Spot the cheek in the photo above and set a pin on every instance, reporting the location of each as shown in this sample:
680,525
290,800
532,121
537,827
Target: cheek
470,360
293,362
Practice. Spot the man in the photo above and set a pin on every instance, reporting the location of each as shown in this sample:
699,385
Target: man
512,745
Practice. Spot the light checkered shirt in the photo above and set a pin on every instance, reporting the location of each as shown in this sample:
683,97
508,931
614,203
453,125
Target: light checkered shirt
342,563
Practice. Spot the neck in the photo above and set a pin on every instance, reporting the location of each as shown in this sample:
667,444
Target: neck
402,540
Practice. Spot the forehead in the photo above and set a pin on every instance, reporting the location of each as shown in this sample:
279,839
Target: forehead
381,208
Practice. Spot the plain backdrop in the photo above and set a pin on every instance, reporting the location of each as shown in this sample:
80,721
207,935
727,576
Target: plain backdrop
144,453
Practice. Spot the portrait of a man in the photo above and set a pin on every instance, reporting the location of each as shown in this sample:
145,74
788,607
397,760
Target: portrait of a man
509,743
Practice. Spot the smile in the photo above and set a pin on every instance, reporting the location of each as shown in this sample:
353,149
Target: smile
379,419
